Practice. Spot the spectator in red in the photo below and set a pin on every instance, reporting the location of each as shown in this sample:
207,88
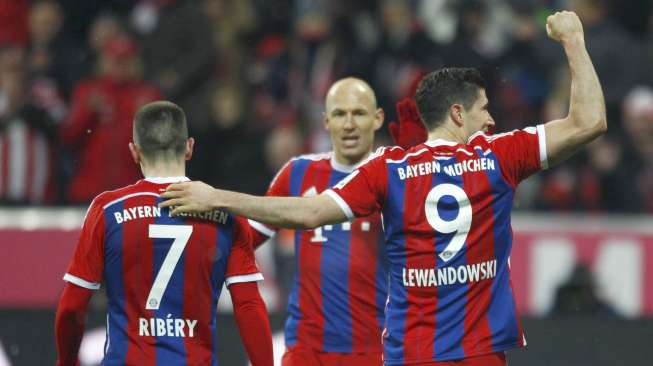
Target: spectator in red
99,123
26,137
13,22
53,59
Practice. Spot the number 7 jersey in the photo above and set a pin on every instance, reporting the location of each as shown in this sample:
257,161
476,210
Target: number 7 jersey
163,274
446,209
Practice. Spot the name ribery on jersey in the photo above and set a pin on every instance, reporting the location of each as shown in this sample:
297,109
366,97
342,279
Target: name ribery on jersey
453,170
139,212
169,327
432,277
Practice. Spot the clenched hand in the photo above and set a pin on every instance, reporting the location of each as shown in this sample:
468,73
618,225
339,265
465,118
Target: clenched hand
564,27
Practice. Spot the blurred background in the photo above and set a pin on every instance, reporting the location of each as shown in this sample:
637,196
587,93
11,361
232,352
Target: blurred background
252,76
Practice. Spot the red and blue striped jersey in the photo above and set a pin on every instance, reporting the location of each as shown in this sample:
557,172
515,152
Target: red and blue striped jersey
163,274
340,286
446,210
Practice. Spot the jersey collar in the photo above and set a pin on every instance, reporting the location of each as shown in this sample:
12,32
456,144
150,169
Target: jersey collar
165,180
440,142
344,168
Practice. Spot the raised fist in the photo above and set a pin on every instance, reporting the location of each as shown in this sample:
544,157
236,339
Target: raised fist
564,26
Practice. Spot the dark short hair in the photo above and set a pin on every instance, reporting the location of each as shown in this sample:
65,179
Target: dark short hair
160,131
438,90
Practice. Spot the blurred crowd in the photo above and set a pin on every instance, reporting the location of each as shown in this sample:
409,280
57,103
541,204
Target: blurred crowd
252,77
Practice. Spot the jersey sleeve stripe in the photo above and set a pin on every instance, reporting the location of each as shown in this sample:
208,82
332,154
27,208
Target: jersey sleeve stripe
261,228
541,136
81,282
252,277
340,202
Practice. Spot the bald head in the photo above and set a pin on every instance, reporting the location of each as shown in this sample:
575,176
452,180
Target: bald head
351,118
351,90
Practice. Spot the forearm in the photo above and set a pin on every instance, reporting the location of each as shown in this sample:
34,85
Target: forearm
69,323
253,324
288,212
586,105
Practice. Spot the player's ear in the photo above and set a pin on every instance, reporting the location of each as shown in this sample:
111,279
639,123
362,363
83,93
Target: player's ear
326,120
136,155
456,114
379,116
190,143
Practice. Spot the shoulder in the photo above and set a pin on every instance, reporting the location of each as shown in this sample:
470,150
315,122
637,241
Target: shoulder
482,138
384,153
108,198
303,161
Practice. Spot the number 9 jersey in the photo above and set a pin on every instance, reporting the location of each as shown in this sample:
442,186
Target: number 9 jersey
446,211
163,274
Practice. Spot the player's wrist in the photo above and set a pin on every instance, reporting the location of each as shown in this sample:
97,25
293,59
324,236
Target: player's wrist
218,199
573,41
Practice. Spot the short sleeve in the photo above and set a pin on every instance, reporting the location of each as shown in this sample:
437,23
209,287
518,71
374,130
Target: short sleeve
520,153
241,265
87,266
280,186
362,192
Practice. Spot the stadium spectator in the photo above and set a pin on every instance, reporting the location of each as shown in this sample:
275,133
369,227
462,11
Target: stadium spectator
163,275
181,28
13,22
446,210
578,296
619,71
26,138
104,28
227,142
404,50
98,123
53,59
638,159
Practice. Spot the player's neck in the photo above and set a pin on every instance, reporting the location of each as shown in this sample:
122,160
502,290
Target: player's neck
342,160
447,133
163,170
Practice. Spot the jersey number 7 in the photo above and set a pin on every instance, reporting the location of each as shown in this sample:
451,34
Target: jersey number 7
181,235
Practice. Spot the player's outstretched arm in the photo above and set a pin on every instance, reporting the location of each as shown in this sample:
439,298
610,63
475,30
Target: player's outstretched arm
253,323
288,212
69,323
586,119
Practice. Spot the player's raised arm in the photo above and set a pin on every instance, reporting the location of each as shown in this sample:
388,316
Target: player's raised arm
586,119
289,212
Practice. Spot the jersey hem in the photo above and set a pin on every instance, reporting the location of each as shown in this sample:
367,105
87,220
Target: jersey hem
394,362
333,349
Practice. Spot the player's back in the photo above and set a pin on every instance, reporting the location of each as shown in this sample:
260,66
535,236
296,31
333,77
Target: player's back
163,277
446,208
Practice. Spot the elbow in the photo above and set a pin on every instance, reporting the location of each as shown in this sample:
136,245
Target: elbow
602,125
590,126
599,127
71,313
